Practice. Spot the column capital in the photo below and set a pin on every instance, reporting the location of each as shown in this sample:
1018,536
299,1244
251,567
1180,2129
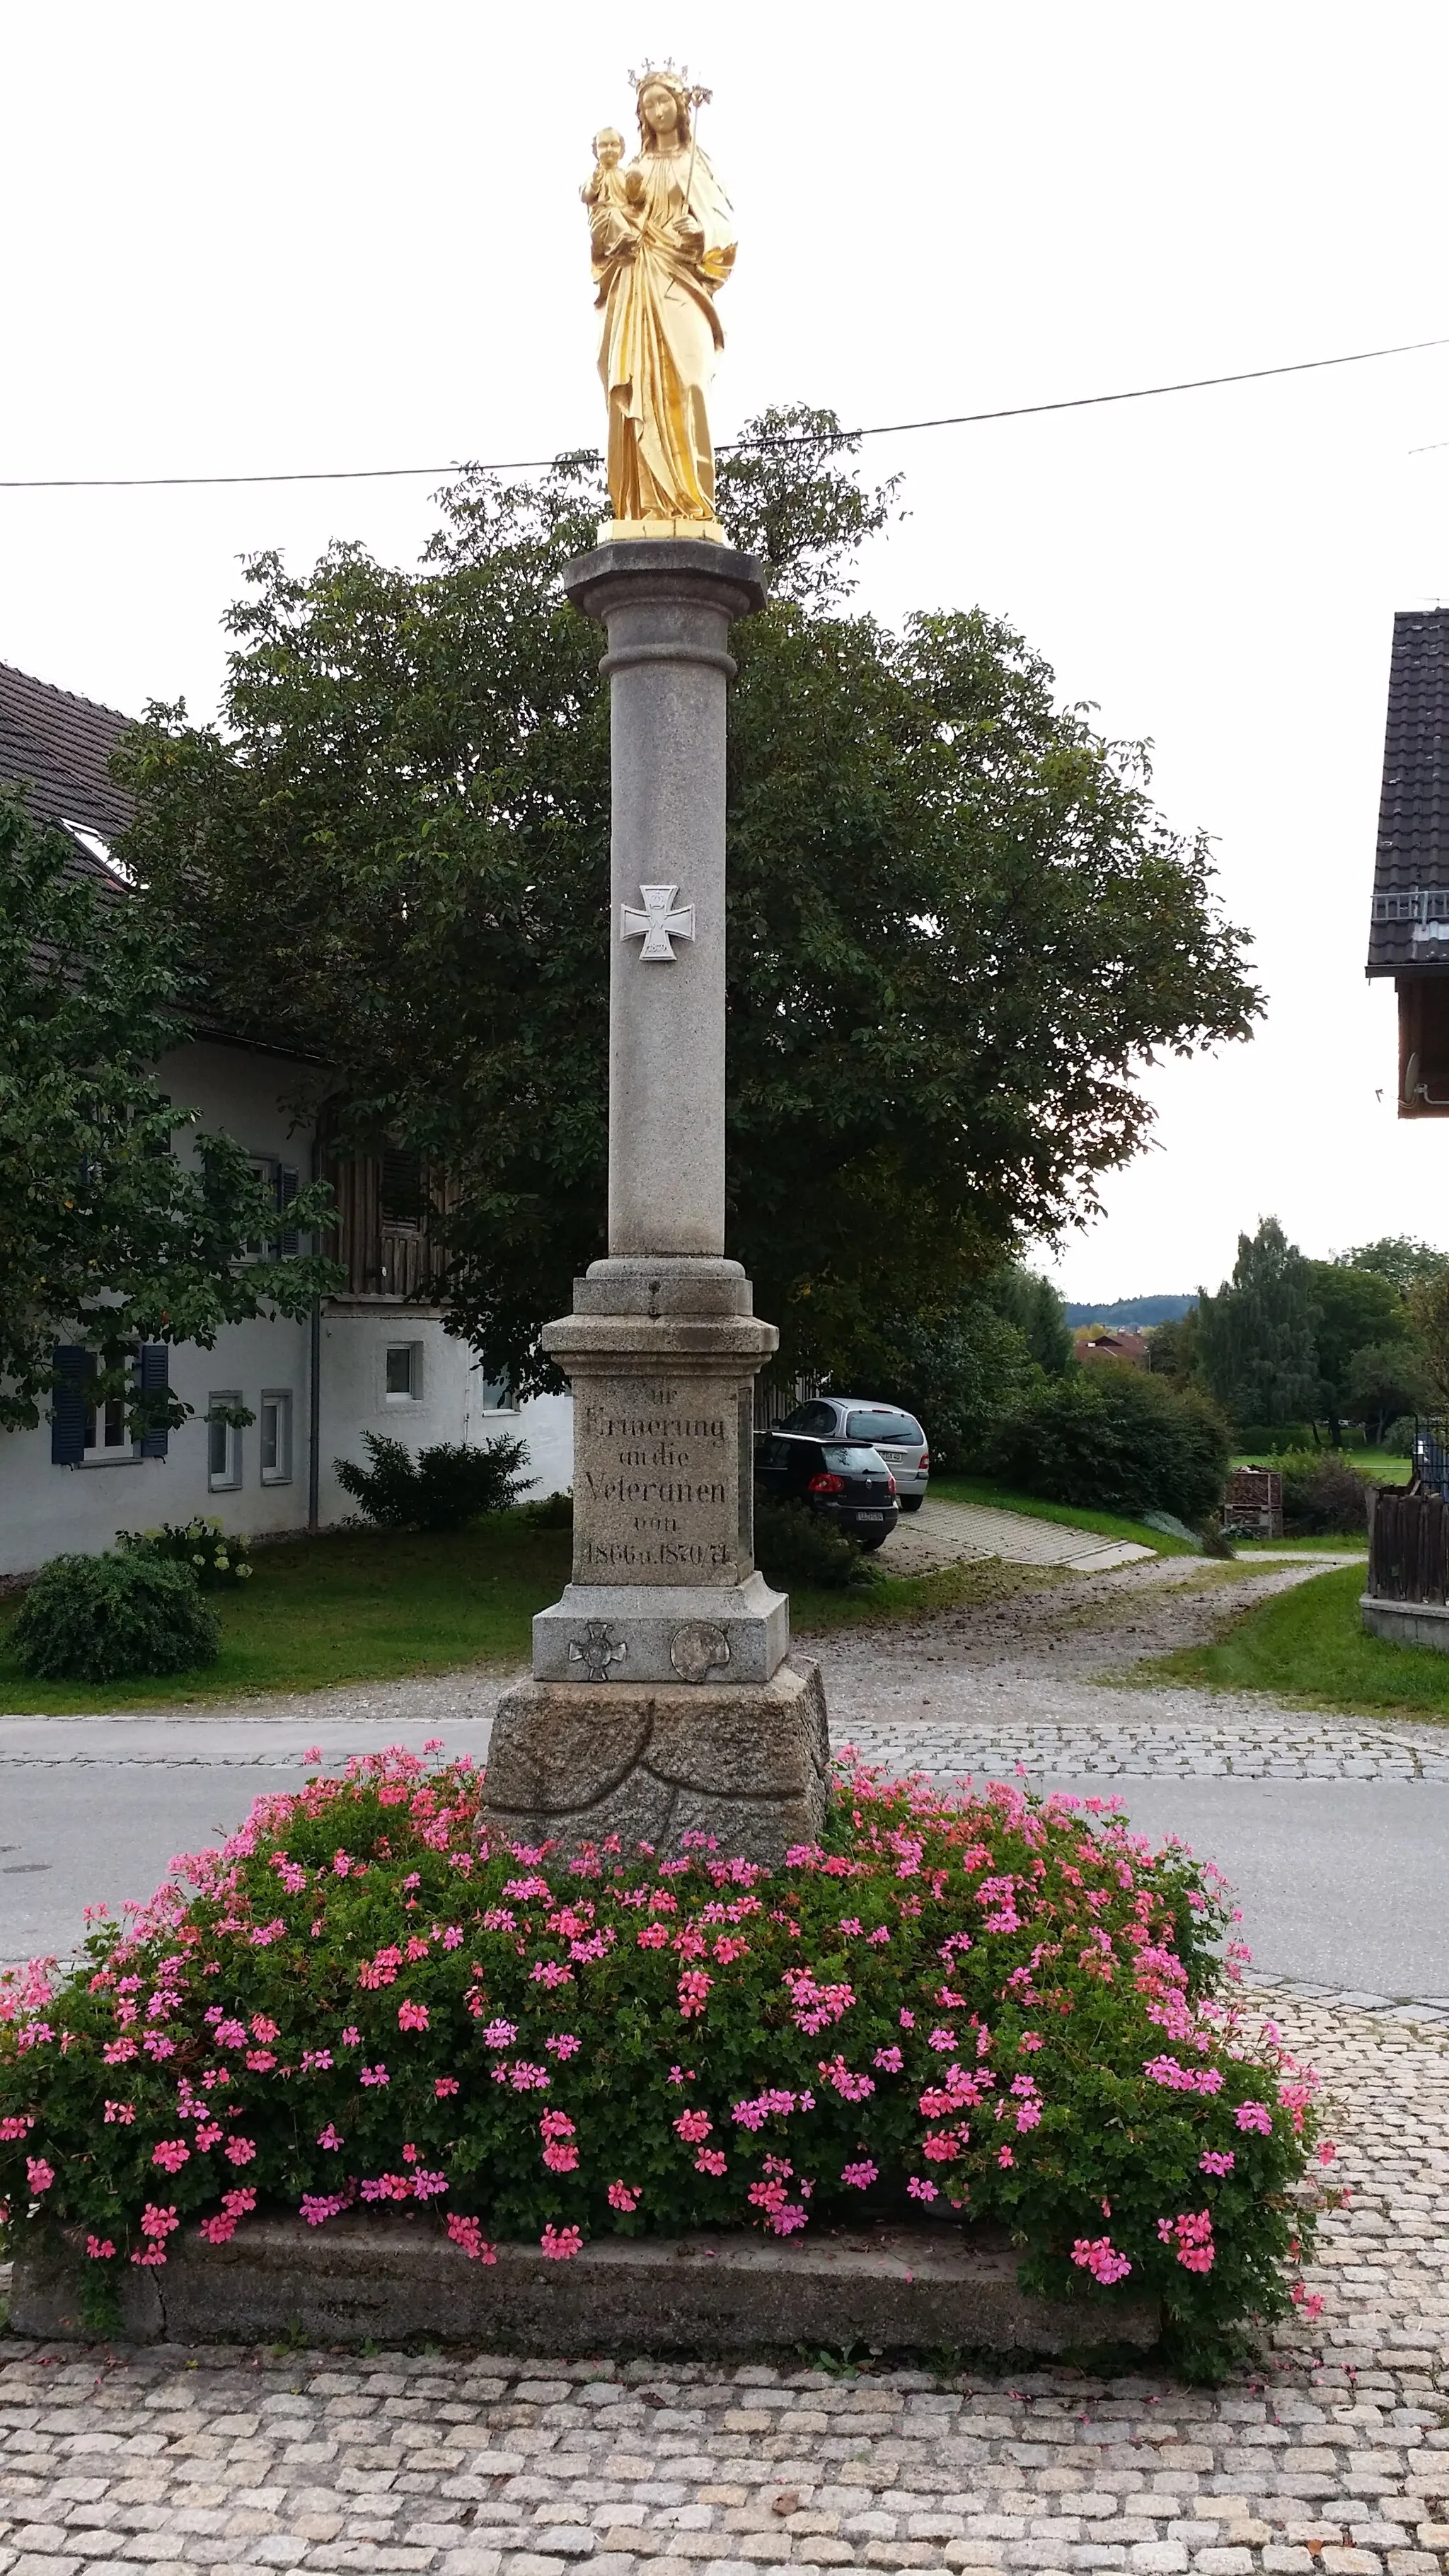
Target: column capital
675,571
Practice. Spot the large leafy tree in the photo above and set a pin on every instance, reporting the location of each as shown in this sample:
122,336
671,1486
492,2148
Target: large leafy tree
1400,1258
1257,1341
107,1237
958,927
1429,1306
1357,1309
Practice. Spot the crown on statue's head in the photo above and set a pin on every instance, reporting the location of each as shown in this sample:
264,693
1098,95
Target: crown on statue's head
675,76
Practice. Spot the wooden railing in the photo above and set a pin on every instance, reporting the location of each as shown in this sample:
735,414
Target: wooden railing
383,1259
1409,1548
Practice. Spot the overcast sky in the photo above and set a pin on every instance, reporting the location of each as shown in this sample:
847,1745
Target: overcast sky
305,236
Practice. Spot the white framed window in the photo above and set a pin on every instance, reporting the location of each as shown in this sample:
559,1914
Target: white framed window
496,1395
274,1437
223,1442
402,1379
107,1440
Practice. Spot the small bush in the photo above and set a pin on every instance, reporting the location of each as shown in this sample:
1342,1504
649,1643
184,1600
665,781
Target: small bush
1272,1440
551,1512
1398,1440
439,1489
971,2003
795,1545
216,1560
99,1618
1117,1439
1324,1497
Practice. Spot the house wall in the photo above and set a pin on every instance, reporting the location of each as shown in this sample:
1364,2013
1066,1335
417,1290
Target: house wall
48,1510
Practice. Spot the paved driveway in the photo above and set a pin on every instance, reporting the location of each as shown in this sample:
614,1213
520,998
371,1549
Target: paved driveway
943,1533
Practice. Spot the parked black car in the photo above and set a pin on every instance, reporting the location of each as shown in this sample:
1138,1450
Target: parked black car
849,1485
856,1418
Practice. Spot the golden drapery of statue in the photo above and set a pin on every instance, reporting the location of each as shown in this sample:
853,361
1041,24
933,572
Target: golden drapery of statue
662,237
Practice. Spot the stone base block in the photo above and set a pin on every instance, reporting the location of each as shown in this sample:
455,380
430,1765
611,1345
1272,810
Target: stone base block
1407,1623
385,2277
573,1762
637,1632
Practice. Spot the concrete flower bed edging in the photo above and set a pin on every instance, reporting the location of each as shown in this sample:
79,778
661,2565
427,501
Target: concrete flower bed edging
1406,1623
387,2277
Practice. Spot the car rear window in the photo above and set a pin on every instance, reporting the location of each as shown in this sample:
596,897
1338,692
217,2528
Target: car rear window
813,1419
883,1426
777,1454
851,1462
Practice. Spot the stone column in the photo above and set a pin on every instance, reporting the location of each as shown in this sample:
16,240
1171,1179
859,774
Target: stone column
662,1699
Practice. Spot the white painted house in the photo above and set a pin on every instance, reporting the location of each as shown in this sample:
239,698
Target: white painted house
373,1359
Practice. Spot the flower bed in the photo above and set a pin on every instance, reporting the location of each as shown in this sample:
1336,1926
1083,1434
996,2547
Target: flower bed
974,2004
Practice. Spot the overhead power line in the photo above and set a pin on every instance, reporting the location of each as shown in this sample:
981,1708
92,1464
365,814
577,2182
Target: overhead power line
876,429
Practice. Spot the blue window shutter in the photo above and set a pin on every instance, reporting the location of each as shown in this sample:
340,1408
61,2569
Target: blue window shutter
153,1373
68,1404
290,1242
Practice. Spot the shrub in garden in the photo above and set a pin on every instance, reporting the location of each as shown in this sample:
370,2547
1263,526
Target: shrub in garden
216,1560
439,1489
1270,1440
1324,1497
1119,1440
971,2006
795,1545
98,1618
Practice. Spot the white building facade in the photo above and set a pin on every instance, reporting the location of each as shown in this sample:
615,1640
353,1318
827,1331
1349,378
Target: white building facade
374,1359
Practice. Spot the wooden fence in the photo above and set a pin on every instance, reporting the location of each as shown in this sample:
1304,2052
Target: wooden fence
1409,1548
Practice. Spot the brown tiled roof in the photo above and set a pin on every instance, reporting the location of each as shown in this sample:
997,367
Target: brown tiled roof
59,746
1409,925
62,744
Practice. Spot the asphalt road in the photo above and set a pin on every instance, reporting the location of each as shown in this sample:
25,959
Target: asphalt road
92,1808
1341,1882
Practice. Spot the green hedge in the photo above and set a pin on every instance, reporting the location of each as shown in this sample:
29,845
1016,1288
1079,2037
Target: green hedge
1117,1439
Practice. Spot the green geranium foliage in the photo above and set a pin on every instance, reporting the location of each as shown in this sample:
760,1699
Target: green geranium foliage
966,2007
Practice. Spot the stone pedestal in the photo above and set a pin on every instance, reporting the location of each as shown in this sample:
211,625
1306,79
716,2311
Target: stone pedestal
661,1701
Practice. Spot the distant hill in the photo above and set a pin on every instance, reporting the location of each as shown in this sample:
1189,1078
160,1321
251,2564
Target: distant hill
1133,1310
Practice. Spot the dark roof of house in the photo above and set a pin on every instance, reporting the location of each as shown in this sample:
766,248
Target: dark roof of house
60,747
1409,926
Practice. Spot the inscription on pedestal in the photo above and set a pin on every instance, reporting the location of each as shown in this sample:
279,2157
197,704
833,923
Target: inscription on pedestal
657,1478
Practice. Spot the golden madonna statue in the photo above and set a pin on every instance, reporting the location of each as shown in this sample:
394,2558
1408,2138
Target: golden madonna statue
662,238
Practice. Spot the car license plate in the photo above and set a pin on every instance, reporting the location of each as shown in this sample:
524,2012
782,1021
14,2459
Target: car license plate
870,1516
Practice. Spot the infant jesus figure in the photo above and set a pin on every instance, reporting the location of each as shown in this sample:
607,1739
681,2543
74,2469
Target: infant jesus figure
612,195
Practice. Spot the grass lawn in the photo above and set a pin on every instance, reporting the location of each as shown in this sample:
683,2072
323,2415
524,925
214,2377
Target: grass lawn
372,1606
352,1605
1383,1463
1310,1645
980,1489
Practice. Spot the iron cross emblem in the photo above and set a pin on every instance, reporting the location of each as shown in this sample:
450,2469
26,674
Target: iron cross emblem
596,1650
657,925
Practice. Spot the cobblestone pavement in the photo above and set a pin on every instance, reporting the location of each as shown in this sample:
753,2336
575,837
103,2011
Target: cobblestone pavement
1035,1678
1205,1742
1332,2454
